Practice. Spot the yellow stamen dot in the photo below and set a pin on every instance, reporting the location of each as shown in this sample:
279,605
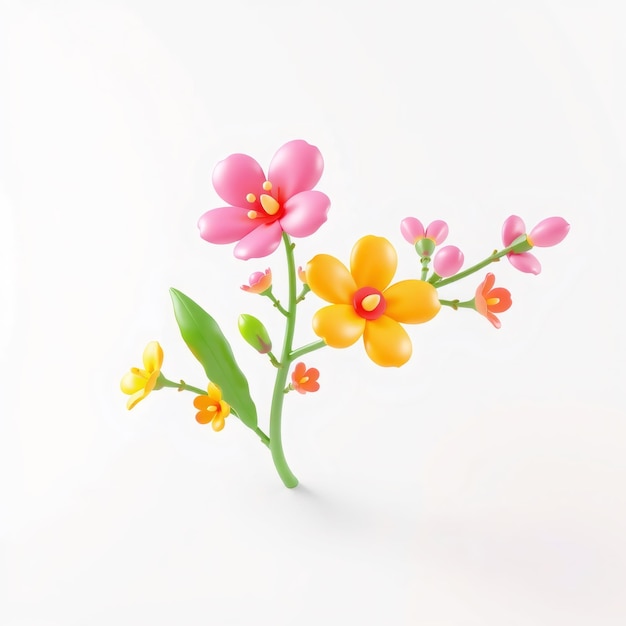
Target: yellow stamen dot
530,241
304,379
252,214
251,197
369,303
492,301
270,204
267,185
212,408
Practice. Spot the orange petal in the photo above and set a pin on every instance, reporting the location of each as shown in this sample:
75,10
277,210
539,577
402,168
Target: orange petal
373,262
330,279
153,357
204,417
386,342
202,402
338,325
412,302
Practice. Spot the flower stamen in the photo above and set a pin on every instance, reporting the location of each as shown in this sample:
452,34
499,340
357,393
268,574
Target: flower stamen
252,215
269,204
369,303
251,198
267,186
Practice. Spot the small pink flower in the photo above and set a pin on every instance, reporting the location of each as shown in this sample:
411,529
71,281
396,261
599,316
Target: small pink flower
262,208
448,261
259,282
548,232
412,230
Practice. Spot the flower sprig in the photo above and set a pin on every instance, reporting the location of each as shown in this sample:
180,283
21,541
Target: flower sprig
265,211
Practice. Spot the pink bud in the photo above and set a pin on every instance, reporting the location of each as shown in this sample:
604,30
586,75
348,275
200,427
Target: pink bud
411,229
437,231
549,232
448,261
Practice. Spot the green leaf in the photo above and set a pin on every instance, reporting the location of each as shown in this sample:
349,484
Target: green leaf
207,343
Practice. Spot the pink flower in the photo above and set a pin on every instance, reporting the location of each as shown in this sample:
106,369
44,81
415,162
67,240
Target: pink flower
259,282
412,230
547,233
448,261
261,207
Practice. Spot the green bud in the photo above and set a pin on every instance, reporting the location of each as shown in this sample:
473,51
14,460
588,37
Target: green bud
425,247
253,331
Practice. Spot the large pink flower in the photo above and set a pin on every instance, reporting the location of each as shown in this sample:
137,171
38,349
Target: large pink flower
263,207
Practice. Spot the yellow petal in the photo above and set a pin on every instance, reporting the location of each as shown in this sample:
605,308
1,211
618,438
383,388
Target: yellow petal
224,409
373,262
412,301
215,393
136,397
153,357
132,382
386,342
217,423
338,325
330,279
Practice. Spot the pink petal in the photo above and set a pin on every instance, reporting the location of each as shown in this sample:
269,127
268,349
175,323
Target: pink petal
549,232
262,241
525,262
237,176
437,231
305,213
411,229
512,228
226,224
448,261
297,166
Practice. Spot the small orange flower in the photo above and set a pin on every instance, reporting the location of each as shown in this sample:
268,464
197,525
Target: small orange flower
303,379
212,408
259,282
302,274
489,300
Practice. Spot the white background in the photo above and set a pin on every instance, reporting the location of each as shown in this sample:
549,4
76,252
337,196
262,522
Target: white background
484,483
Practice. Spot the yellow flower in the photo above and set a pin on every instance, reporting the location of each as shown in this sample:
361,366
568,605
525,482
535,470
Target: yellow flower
212,408
364,305
138,383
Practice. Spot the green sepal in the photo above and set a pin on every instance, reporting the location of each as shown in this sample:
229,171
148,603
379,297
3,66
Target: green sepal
208,344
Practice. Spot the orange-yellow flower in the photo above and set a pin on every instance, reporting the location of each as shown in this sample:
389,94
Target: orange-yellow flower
303,379
363,303
212,408
489,301
259,282
138,383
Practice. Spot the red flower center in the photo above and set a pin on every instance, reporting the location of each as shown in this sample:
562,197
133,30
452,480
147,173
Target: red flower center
369,303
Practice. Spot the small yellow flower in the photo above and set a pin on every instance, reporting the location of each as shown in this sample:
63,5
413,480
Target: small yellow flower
138,383
212,408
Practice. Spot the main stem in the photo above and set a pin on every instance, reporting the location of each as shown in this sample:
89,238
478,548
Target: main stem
278,396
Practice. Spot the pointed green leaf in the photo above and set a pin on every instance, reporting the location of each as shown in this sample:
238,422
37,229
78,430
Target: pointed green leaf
207,343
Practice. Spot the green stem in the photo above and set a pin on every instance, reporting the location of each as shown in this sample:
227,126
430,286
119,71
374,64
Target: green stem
425,264
264,438
470,270
273,360
278,396
455,304
316,345
302,294
277,303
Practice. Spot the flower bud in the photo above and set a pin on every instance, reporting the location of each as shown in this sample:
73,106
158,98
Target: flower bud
259,282
448,261
253,331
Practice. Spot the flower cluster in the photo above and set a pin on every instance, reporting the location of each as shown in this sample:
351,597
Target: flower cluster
362,300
